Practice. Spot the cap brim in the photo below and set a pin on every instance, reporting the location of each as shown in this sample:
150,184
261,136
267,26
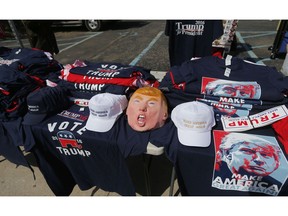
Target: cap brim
99,125
192,138
32,119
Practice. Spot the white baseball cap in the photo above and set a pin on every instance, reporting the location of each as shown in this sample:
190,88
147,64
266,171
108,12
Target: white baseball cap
194,121
105,108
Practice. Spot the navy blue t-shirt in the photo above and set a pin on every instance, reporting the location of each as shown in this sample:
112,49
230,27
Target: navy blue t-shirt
11,136
195,166
91,158
191,38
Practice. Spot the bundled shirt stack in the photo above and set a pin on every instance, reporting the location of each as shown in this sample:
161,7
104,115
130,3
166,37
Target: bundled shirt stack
85,79
22,71
234,87
245,97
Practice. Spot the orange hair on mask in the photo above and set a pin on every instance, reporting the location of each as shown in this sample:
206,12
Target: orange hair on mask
153,92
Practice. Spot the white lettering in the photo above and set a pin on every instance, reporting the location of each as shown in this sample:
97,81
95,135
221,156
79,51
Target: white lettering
73,151
190,29
51,127
81,130
89,87
232,100
65,126
75,125
241,184
66,151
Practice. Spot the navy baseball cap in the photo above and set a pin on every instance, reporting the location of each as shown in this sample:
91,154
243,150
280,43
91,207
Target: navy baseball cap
45,102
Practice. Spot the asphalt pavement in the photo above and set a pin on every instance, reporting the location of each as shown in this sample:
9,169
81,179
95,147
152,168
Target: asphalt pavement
136,42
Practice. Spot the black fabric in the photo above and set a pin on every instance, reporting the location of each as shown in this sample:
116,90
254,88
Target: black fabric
11,139
191,38
90,158
56,174
22,70
192,80
44,102
166,136
31,61
86,90
129,141
109,73
194,165
188,77
41,35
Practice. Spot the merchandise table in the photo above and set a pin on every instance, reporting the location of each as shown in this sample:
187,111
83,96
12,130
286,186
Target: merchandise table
68,154
195,168
90,158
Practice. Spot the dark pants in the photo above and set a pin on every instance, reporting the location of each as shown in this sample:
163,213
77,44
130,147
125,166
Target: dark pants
41,35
